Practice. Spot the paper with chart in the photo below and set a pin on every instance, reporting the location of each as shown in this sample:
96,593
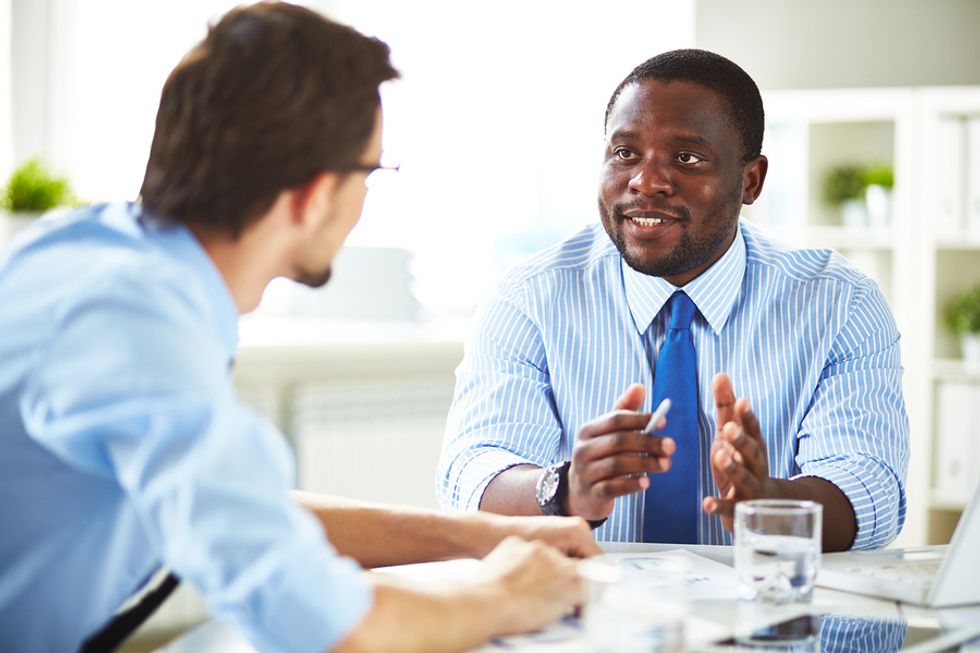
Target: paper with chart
703,578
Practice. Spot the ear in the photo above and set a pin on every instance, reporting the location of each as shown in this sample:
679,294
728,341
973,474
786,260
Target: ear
313,202
753,177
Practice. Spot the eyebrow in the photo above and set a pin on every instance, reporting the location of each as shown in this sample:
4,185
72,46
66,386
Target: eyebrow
624,133
694,139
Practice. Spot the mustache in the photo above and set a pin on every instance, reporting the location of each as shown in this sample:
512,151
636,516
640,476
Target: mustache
680,212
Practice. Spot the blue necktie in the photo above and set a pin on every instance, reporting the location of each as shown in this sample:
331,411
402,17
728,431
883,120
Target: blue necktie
671,508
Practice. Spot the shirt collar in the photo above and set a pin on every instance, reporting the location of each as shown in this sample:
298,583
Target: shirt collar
178,240
714,291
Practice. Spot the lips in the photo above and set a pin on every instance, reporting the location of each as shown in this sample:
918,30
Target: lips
648,222
649,218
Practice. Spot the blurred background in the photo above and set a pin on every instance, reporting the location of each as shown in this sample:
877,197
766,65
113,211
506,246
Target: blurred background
873,136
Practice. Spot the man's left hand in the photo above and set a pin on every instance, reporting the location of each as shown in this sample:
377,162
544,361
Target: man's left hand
739,462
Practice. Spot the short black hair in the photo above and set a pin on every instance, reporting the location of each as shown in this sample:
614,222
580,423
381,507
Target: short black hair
273,96
717,73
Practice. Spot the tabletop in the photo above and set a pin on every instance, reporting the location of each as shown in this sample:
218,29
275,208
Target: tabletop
714,614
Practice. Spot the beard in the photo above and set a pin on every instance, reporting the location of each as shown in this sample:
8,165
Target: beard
691,252
313,279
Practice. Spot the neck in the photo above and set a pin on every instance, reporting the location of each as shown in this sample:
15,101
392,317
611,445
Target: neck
247,263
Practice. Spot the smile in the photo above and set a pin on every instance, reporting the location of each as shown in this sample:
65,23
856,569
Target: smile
649,222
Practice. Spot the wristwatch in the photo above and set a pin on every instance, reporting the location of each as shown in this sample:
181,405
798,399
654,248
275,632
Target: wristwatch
552,488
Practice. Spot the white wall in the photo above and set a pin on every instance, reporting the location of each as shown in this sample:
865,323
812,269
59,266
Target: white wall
790,44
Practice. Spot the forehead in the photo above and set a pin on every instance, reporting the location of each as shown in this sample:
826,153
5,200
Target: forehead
653,107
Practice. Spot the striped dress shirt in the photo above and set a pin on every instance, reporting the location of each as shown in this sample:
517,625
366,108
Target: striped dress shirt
807,338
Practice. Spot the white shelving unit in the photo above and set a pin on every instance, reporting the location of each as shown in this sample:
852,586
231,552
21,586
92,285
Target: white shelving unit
926,253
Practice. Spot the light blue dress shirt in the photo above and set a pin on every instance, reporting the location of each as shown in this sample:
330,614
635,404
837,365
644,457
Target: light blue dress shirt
804,336
123,447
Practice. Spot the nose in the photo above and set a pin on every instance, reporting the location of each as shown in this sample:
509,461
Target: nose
651,178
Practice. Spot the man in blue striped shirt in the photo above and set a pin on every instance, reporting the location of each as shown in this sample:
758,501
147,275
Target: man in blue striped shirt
556,372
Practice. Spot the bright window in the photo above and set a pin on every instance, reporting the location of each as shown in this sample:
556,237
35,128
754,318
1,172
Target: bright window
497,121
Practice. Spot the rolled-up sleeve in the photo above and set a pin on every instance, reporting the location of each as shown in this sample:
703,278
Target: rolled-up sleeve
503,411
856,431
207,477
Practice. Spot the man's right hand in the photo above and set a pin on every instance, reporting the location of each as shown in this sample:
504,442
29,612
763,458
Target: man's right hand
538,584
612,456
521,586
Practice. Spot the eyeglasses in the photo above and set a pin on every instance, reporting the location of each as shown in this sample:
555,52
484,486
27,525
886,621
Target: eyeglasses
375,171
367,167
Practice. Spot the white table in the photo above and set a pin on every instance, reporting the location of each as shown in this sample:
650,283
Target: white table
725,614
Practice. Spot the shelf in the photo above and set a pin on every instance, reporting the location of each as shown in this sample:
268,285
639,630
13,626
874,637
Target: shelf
835,237
928,253
954,369
849,237
965,243
947,502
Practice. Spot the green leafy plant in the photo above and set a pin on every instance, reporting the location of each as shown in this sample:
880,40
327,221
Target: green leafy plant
31,188
963,313
879,175
842,183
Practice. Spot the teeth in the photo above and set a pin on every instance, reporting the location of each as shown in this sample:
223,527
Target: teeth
647,222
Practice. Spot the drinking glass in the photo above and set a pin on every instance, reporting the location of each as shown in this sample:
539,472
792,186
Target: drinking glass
777,549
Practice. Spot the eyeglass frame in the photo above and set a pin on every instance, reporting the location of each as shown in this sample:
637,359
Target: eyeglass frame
366,167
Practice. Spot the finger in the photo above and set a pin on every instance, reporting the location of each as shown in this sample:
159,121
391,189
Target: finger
719,506
721,452
721,390
632,399
578,541
622,466
722,459
619,420
746,484
748,451
750,423
621,486
622,443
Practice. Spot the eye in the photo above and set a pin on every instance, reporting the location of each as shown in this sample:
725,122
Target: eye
688,158
622,154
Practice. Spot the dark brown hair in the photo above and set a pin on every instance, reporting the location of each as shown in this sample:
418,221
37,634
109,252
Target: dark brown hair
717,73
274,95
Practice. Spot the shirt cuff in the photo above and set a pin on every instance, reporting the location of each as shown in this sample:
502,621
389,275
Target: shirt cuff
875,526
478,471
310,601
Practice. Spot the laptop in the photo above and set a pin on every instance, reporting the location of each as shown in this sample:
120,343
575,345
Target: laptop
933,576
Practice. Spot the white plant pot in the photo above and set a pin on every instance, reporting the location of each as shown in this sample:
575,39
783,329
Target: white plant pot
879,202
854,214
970,345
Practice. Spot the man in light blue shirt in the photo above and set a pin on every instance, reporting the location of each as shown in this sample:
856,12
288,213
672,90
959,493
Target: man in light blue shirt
123,447
801,334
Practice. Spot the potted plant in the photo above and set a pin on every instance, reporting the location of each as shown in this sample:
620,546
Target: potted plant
844,188
963,319
30,191
878,183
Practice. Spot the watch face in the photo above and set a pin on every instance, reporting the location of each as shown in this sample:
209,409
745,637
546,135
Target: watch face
548,486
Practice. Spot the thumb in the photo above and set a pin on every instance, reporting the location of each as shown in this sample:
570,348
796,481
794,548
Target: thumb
632,399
